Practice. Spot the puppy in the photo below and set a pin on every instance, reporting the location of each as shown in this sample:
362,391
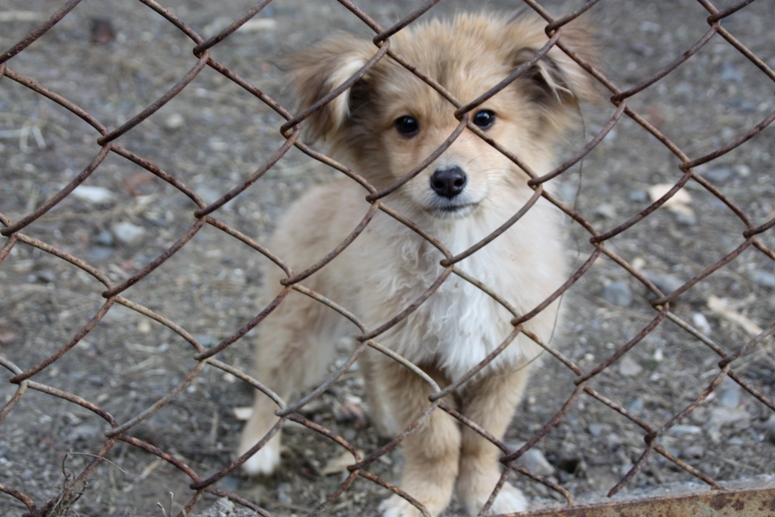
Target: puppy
383,127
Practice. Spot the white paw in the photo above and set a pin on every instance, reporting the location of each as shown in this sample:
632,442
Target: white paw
265,460
509,500
397,506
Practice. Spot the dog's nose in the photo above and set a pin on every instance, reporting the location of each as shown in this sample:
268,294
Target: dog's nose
449,182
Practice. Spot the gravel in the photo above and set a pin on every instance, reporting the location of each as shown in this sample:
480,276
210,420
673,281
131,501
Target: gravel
215,135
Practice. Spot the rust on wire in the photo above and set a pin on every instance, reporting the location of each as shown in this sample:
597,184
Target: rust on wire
731,503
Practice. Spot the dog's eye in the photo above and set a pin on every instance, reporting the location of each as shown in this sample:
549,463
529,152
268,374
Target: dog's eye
484,119
407,126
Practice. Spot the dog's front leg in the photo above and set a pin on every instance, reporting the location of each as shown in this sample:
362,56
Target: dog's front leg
489,402
431,451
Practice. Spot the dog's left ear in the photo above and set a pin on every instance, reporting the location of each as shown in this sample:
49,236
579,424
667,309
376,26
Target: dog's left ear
556,81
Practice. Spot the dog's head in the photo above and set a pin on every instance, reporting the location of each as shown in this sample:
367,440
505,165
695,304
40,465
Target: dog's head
389,121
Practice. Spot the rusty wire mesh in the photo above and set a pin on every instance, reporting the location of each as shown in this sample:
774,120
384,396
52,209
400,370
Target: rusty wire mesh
28,375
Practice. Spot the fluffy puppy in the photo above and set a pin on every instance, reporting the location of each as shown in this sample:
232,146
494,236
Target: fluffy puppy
383,127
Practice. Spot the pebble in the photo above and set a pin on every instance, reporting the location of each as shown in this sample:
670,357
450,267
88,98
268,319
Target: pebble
629,367
83,432
230,483
205,340
762,278
728,394
701,323
95,195
638,196
636,406
684,430
128,233
693,451
225,508
721,416
98,253
743,170
535,461
282,493
105,238
718,175
686,219
174,121
617,293
567,192
730,72
607,211
666,282
46,276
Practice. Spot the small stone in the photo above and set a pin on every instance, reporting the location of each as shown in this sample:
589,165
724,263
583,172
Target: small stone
98,253
535,461
743,170
282,493
636,406
693,451
83,432
684,430
617,293
597,429
230,483
638,196
567,192
205,340
686,218
728,394
721,416
209,195
628,367
730,72
701,323
647,26
607,211
666,282
762,278
46,276
128,233
95,195
174,121
224,507
719,175
105,238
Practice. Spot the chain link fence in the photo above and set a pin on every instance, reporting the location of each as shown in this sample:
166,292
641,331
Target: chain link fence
125,324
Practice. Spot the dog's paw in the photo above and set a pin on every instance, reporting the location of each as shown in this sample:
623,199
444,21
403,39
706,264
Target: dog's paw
397,506
509,500
265,461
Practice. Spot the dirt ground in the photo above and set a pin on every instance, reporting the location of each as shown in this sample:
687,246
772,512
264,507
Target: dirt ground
214,134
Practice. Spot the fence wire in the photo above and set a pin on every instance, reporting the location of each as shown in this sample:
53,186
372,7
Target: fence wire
31,377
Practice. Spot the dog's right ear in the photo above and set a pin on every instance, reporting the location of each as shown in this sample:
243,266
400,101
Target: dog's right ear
316,72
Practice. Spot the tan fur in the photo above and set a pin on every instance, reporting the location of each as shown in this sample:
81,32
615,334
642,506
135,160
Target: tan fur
389,266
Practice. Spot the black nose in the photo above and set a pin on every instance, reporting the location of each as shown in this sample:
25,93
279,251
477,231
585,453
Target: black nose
449,182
